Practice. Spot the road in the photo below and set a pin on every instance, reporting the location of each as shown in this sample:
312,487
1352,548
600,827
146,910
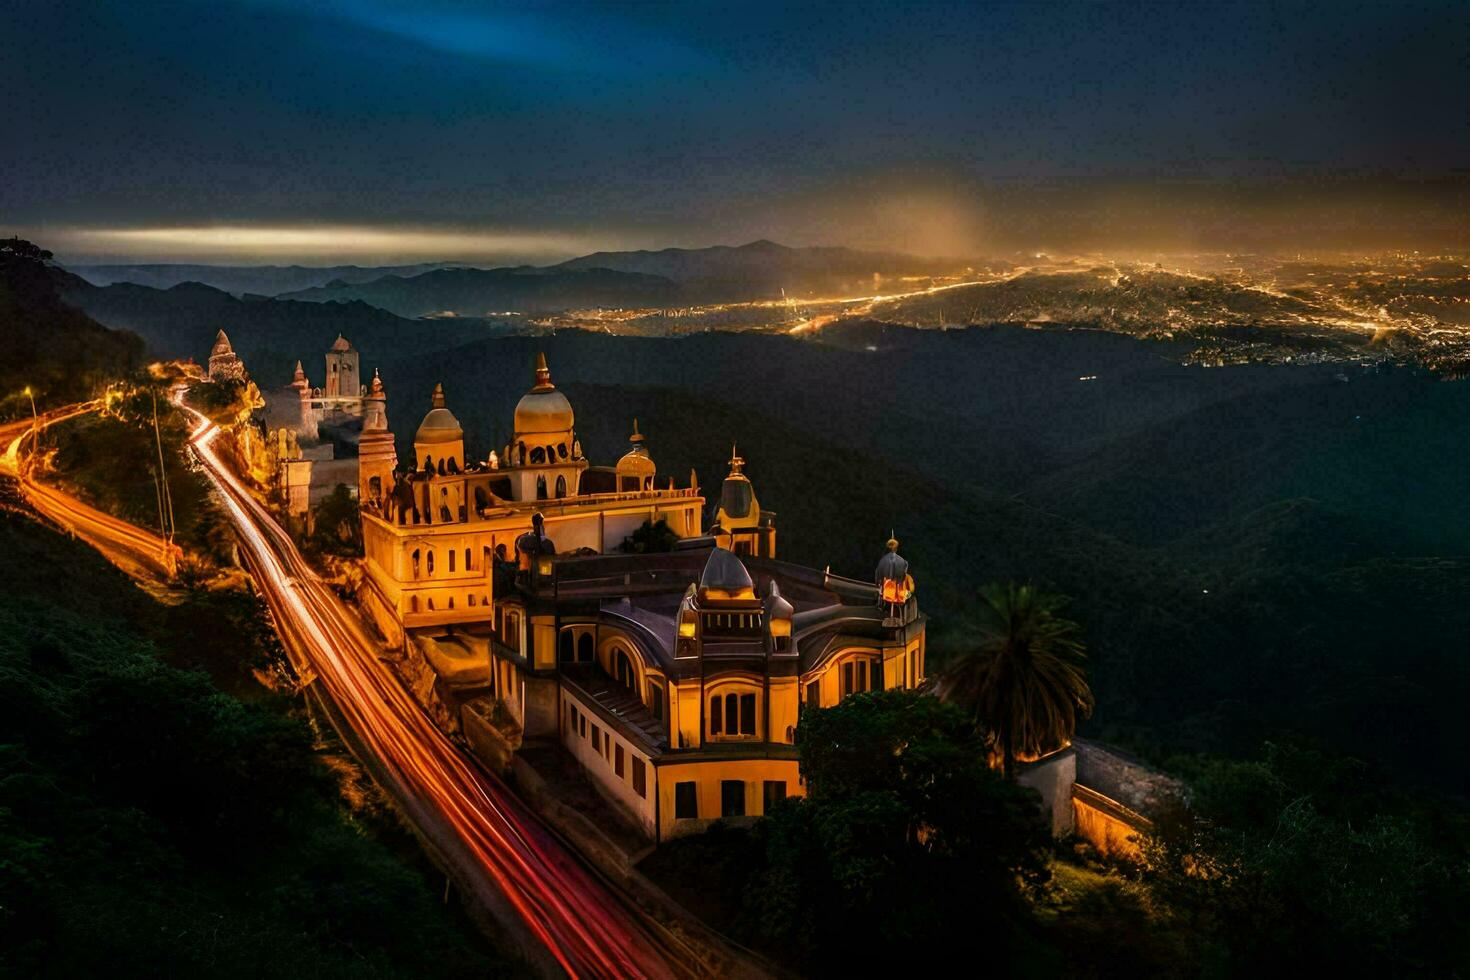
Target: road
510,859
132,549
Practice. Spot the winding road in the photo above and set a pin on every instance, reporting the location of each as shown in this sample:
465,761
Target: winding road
511,860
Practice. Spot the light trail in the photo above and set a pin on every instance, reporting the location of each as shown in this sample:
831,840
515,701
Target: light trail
127,546
463,810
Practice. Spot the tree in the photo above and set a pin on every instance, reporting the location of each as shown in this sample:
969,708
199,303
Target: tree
650,538
337,525
1024,681
907,849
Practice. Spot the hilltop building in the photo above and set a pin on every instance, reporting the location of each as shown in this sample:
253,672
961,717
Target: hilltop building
224,363
321,430
675,678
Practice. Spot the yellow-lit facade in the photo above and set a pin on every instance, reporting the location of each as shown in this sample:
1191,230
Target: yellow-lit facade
676,679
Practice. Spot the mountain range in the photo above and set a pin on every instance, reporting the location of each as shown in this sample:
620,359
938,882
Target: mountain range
263,280
760,270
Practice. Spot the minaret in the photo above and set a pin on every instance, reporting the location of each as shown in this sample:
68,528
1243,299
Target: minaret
376,456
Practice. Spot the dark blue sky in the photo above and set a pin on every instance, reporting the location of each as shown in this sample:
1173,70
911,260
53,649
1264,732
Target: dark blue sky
493,131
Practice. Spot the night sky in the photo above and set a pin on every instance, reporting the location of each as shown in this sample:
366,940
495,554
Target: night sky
372,130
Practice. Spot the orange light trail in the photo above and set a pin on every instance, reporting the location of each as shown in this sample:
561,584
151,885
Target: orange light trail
464,810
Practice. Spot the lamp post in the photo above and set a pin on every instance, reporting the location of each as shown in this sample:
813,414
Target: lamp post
35,422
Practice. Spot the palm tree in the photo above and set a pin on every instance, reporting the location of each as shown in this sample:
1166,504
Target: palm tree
1024,680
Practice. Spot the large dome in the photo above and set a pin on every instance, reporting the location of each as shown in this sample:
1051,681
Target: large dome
543,409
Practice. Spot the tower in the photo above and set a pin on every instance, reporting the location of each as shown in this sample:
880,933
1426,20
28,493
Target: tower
636,470
224,363
739,523
376,456
342,376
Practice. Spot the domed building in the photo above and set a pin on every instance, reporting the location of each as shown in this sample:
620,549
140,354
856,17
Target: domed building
673,667
544,457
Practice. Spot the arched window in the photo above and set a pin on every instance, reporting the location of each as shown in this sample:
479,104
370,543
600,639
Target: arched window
416,563
623,668
431,569
540,488
375,487
561,450
451,602
538,455
732,716
565,651
431,603
413,603
561,487
472,600
584,648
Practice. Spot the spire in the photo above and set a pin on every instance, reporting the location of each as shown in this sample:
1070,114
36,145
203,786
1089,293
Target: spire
637,436
438,398
377,383
543,373
300,372
735,461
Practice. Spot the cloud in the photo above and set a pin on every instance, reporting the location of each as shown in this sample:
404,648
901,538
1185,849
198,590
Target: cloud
313,243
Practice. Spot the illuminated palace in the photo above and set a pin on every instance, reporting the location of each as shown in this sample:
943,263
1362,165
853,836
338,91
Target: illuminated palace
675,677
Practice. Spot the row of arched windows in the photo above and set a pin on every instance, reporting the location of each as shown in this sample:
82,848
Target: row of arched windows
561,487
422,559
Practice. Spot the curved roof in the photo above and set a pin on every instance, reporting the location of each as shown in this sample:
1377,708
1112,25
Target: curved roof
891,566
341,344
737,497
776,605
543,409
726,571
439,425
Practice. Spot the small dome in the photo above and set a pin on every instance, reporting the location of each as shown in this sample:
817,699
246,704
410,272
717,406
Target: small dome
725,571
341,344
543,409
439,425
892,566
636,461
221,345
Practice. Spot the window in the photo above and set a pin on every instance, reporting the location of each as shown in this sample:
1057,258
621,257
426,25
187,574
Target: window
467,559
596,739
814,694
686,801
618,760
732,715
584,648
540,487
561,487
656,701
451,559
572,718
876,675
623,668
416,557
640,778
773,791
431,562
732,798
582,721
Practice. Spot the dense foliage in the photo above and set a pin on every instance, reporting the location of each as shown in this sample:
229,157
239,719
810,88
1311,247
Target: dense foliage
336,527
150,824
906,852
